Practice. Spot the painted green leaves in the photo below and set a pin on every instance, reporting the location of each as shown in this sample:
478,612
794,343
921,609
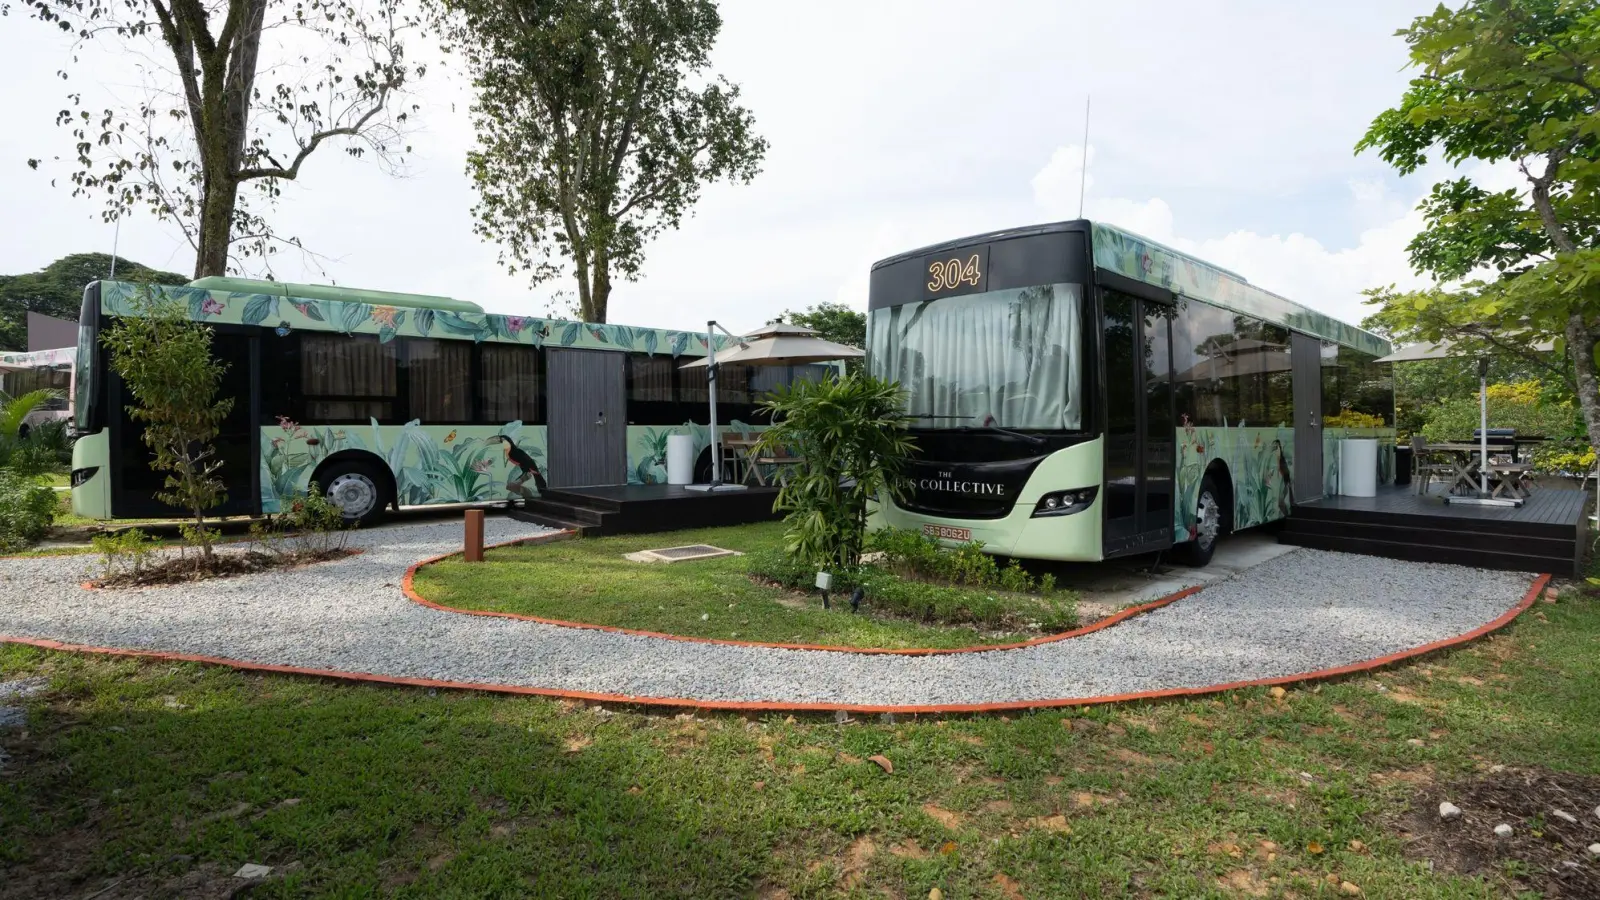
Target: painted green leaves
260,308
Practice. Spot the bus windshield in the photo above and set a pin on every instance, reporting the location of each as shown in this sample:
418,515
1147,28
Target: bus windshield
1010,358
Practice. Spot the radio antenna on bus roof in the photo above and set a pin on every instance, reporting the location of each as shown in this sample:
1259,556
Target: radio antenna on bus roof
1083,170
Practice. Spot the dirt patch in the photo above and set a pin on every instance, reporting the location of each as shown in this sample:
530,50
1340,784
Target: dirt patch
1551,852
188,569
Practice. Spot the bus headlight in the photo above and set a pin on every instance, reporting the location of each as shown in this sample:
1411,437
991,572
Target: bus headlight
1065,503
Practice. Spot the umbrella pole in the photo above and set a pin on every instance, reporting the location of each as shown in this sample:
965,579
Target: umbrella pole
1483,498
711,394
711,391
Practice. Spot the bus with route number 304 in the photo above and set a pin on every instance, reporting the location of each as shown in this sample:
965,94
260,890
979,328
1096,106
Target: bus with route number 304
1078,392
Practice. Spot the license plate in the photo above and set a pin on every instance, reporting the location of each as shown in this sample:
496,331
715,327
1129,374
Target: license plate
947,532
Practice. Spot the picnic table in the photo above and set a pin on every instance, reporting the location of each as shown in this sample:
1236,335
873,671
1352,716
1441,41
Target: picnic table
1468,464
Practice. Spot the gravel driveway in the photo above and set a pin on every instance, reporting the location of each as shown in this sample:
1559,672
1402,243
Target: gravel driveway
1302,612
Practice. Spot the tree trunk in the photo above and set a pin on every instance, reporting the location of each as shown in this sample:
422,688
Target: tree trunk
216,226
1581,342
596,292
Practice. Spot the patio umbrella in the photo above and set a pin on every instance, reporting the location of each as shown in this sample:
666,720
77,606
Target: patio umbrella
771,345
780,345
1448,350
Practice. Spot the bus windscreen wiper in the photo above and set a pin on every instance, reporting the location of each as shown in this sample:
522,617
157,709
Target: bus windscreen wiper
988,425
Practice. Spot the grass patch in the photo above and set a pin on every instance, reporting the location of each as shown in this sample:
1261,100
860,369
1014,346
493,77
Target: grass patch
166,775
589,580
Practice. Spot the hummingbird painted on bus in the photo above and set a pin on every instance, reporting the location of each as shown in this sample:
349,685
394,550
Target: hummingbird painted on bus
526,468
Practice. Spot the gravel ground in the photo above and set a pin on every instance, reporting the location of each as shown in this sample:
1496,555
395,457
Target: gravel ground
1303,611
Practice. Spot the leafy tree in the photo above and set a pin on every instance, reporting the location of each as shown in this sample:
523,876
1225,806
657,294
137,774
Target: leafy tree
1506,80
207,128
57,290
831,321
164,358
850,433
597,125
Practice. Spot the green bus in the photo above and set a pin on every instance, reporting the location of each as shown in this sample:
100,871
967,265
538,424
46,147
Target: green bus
1079,392
386,399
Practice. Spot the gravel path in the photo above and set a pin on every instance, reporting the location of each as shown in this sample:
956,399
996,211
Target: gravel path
1301,612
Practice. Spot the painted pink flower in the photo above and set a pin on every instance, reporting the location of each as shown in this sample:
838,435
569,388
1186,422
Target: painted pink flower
287,424
482,466
277,442
304,308
514,324
211,307
384,315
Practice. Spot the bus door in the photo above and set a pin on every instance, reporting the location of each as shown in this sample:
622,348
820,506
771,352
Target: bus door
1140,435
1305,358
236,444
588,418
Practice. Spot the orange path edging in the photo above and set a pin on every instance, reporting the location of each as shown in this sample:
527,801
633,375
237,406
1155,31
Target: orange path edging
767,706
1107,622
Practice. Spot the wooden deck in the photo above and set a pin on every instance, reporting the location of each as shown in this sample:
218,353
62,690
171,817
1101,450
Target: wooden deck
643,508
1546,534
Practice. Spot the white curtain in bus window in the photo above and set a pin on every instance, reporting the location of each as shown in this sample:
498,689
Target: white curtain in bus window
437,377
347,378
510,386
1010,358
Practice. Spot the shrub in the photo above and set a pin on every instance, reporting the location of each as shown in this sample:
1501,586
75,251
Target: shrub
911,554
164,359
850,433
123,552
1519,405
26,510
313,526
929,601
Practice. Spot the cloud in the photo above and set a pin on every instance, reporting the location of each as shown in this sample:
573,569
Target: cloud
1295,265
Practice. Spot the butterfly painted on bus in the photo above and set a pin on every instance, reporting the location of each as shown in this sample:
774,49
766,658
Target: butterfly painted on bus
450,437
282,329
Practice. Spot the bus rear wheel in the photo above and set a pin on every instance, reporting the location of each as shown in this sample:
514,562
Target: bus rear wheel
1208,525
357,489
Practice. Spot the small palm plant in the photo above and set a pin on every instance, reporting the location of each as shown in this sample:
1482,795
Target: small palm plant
850,437
24,456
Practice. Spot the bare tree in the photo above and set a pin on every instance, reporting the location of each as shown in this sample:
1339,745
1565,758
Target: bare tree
237,93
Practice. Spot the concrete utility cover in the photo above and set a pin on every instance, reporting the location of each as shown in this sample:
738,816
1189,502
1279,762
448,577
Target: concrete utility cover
681,554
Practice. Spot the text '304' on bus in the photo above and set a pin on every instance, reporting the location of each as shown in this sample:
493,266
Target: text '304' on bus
387,399
1080,393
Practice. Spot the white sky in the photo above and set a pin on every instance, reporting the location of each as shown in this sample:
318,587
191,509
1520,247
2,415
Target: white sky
1224,128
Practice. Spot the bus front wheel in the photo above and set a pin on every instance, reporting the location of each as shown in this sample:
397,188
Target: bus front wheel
1208,525
357,489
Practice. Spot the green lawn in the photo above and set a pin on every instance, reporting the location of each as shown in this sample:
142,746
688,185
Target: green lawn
167,777
589,580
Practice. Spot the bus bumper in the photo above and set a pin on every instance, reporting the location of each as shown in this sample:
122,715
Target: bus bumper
1075,537
91,475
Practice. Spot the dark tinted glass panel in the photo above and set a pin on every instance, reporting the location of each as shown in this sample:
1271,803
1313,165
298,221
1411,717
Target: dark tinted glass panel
438,376
347,378
509,384
1230,369
650,379
41,378
1160,435
1122,417
1356,388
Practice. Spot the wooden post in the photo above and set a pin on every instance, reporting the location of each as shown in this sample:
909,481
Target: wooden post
474,545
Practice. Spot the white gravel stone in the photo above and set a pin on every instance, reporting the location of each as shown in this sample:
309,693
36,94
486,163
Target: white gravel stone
1565,816
1502,830
1449,811
1303,611
1594,849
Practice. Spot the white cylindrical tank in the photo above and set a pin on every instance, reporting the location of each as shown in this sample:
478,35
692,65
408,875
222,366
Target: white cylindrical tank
680,459
1358,467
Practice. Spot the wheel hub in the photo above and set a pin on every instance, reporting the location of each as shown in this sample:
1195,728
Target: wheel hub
354,494
1208,520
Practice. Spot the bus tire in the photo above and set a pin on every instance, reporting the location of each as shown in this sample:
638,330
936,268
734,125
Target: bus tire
1209,519
357,488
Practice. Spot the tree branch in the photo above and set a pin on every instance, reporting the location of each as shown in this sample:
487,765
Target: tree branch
293,169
